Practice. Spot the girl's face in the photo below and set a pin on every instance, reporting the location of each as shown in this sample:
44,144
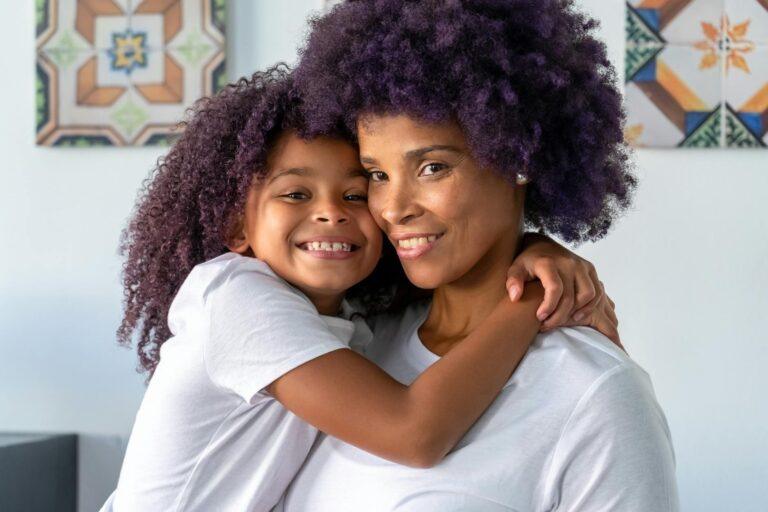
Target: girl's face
447,217
309,219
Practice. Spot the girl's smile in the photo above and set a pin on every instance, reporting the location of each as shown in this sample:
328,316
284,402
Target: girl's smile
308,219
330,247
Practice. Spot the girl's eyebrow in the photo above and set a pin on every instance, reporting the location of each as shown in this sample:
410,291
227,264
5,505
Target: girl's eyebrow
306,171
298,171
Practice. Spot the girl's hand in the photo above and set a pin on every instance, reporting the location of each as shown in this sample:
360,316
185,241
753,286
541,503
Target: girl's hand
603,319
573,294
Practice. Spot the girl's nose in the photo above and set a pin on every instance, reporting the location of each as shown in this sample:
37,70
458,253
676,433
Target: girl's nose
332,214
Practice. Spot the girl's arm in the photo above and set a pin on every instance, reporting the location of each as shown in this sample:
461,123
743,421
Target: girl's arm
349,397
574,294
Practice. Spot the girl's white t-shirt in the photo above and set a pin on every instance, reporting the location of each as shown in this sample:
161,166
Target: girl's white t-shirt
577,428
207,435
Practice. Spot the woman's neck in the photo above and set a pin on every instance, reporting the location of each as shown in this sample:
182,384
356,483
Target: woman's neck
459,307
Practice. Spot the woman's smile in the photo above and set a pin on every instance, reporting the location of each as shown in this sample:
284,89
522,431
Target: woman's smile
410,246
443,212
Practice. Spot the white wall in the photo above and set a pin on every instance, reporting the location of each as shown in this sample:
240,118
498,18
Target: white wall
61,212
686,269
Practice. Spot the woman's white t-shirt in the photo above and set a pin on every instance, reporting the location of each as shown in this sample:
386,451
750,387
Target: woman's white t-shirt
207,436
576,428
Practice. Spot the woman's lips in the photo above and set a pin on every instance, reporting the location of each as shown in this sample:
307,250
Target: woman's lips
414,246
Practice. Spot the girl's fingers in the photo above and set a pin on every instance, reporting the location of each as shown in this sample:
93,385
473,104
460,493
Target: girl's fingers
610,311
517,275
588,295
562,312
547,273
582,316
602,323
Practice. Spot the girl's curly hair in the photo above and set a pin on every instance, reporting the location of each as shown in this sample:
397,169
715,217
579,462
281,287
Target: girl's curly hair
186,208
527,82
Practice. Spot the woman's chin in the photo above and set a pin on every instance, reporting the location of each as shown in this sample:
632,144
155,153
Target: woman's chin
425,279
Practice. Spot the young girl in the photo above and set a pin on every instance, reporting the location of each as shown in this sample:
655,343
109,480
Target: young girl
246,232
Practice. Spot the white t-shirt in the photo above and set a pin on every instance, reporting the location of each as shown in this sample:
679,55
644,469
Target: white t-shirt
576,428
207,436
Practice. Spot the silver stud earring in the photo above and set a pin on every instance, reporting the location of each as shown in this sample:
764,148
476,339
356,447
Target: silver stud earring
522,179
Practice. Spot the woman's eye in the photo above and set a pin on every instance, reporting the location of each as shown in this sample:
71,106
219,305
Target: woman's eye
356,197
430,169
377,176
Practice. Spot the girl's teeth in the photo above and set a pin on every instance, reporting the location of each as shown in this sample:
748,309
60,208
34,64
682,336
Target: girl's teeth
329,246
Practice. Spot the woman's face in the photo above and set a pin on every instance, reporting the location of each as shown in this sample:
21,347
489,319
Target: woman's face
448,218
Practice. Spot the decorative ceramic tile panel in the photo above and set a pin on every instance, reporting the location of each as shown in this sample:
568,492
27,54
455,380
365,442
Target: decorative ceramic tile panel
696,73
122,72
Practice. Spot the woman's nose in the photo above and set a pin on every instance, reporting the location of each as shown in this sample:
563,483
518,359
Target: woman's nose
397,205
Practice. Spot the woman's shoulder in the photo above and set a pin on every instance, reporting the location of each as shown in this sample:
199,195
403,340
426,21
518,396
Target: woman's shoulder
589,345
578,360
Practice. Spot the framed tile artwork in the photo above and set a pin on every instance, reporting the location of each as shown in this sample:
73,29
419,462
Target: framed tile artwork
122,72
696,73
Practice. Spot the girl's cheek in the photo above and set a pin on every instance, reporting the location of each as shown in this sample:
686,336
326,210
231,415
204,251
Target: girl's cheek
373,208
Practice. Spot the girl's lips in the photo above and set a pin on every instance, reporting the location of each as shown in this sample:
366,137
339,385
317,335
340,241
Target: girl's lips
412,253
330,255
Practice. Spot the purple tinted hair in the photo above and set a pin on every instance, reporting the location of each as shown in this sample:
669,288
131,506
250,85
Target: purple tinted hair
186,210
530,86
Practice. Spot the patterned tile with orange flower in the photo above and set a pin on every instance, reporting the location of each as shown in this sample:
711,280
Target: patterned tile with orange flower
696,73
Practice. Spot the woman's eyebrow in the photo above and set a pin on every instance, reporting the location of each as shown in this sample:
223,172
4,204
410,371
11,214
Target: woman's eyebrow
355,172
299,171
418,153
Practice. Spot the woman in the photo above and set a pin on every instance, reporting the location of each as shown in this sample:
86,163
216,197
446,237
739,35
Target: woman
472,117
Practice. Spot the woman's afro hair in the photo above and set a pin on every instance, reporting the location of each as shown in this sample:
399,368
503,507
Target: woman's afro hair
530,86
187,208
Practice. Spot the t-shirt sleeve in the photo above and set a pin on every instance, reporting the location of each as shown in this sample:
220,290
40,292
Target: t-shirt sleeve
615,451
260,329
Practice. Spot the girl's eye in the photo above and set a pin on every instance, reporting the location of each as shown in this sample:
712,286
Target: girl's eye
432,169
377,175
356,197
295,195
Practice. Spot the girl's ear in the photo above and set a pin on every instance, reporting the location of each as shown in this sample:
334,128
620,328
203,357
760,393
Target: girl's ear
236,239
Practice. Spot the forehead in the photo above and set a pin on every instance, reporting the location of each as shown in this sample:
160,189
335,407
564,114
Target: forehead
322,155
400,131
